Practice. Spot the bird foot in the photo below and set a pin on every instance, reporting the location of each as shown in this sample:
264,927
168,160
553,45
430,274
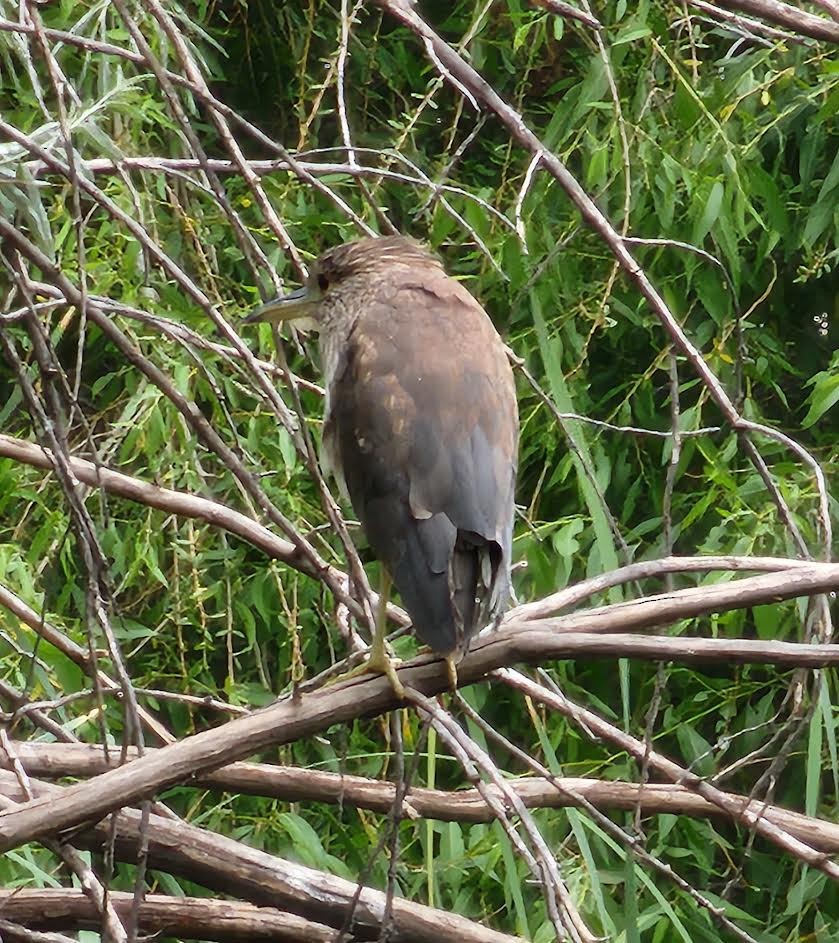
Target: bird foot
378,662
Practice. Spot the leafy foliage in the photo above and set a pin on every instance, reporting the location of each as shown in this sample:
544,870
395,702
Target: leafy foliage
686,135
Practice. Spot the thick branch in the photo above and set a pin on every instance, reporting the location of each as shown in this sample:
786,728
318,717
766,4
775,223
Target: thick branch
165,499
642,570
187,917
307,714
225,865
788,16
667,608
292,784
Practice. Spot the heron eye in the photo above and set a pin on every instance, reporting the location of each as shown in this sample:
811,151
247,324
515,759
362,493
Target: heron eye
323,282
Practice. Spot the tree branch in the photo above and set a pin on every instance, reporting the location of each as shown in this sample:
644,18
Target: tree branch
751,816
230,867
201,918
745,25
295,717
183,504
292,784
165,499
787,16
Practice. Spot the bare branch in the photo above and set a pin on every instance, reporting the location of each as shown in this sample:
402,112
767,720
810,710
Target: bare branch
91,886
829,6
192,918
787,16
291,784
751,816
646,569
296,717
184,505
222,864
566,11
745,25
20,934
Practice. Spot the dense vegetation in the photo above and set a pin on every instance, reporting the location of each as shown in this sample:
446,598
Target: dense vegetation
717,146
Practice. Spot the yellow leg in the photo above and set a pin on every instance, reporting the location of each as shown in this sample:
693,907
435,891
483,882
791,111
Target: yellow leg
451,668
378,661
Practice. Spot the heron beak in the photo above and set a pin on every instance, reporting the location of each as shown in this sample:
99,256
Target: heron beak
296,304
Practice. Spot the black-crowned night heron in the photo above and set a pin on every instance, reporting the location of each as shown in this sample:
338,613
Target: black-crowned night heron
420,431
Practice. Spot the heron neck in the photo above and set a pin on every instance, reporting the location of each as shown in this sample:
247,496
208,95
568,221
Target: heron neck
339,313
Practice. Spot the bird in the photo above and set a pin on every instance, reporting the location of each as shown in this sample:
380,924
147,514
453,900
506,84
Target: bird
420,432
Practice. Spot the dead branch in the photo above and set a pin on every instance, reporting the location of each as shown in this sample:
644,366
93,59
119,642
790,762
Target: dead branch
830,7
295,717
787,16
90,885
644,569
16,700
201,918
566,11
183,504
745,25
49,633
228,866
292,784
20,934
164,499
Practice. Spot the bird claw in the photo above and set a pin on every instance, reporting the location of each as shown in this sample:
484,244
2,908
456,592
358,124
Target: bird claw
378,663
382,663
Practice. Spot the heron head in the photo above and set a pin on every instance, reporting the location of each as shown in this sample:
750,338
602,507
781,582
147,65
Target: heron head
340,271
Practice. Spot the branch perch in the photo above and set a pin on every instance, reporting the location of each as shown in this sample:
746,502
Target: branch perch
292,784
228,866
295,717
192,918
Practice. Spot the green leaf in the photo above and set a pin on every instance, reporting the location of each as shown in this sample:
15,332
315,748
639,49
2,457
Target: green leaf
710,213
696,750
630,34
824,397
824,206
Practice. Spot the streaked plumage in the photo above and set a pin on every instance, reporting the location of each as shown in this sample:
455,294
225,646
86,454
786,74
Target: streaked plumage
421,429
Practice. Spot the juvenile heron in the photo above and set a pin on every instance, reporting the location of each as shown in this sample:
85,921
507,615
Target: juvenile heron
420,431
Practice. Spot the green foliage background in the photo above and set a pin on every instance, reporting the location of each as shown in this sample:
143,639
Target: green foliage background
727,145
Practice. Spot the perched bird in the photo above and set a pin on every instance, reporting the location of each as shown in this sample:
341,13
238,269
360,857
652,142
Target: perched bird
420,431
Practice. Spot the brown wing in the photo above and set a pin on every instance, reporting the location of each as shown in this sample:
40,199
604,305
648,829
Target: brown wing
426,427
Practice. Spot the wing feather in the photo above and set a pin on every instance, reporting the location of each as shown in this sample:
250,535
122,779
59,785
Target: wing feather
425,425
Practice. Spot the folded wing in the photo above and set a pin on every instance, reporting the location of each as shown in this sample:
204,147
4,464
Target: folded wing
423,424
